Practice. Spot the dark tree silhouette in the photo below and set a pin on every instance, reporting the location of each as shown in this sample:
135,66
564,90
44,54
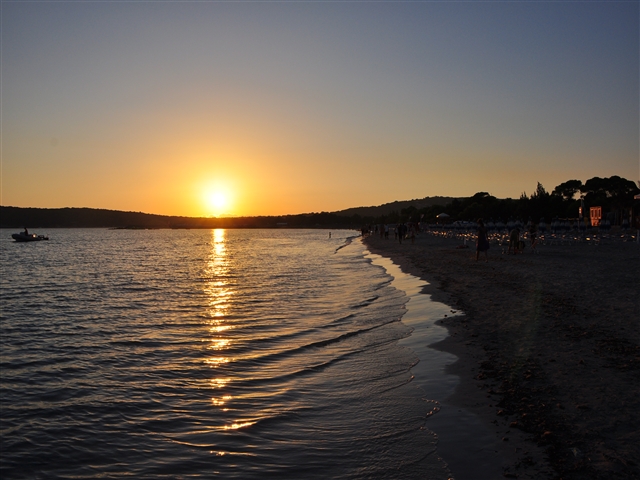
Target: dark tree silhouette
568,189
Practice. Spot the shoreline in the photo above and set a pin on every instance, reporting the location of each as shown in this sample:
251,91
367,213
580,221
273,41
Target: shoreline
548,349
456,428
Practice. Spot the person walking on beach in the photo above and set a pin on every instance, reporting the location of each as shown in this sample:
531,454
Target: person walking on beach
482,244
514,241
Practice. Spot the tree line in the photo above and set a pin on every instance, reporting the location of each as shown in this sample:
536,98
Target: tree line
614,194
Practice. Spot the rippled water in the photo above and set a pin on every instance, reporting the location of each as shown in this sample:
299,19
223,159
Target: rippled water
230,353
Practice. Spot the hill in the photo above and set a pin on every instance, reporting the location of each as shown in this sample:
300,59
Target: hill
397,206
19,217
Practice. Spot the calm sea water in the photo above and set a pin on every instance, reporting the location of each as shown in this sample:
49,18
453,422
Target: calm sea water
207,353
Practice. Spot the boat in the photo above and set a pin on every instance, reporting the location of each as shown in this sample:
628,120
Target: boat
28,237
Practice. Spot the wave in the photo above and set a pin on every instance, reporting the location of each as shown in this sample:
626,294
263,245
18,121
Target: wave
277,357
365,303
253,383
339,321
346,243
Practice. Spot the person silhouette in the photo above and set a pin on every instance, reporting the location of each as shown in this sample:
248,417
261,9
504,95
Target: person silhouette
482,244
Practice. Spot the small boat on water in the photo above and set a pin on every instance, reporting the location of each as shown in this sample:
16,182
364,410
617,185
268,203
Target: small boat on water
28,237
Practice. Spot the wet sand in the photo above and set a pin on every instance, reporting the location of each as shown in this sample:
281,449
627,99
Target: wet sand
548,349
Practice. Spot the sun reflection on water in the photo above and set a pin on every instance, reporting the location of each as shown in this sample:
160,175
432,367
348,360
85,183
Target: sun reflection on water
219,295
220,299
236,426
217,383
219,343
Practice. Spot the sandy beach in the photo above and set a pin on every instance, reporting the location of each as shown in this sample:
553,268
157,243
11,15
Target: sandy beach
548,348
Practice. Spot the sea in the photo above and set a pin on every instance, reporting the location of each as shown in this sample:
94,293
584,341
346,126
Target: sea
233,354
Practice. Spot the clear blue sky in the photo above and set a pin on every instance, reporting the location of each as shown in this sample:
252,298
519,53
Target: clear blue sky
290,107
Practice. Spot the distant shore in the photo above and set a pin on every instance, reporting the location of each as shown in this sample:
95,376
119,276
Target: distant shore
549,349
39,218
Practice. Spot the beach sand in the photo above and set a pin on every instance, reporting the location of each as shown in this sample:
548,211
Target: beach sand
548,348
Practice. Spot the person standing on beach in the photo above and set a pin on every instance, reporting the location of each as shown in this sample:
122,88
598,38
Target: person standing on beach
402,231
482,244
514,241
533,234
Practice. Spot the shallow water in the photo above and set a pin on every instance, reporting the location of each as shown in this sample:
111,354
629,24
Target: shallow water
237,353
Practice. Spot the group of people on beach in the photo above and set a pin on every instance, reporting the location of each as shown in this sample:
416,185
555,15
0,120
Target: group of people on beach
404,231
515,244
401,231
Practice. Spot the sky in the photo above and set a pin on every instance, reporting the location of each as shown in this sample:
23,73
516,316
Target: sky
210,108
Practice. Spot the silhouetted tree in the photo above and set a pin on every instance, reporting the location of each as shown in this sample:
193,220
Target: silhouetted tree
539,204
568,189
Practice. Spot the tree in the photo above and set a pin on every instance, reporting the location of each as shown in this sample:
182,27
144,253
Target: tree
538,205
540,192
568,189
621,188
612,187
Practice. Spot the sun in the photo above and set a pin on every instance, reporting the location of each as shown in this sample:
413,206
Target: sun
216,197
217,202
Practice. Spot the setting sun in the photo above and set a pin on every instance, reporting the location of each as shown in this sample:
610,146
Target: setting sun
217,201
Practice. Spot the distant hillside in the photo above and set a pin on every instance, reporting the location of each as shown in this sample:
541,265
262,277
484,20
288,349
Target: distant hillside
33,218
81,217
396,206
18,217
